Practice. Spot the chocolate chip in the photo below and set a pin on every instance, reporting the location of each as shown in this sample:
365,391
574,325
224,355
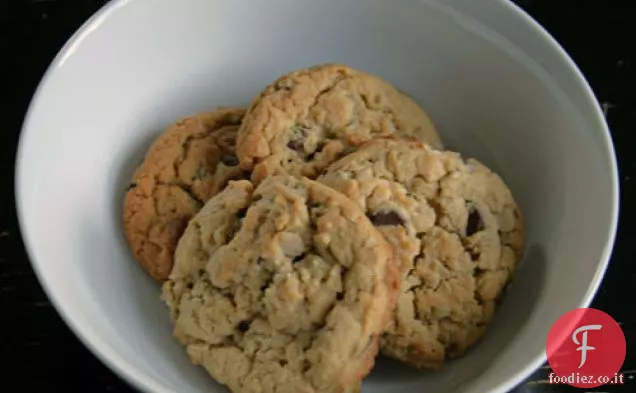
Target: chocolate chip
229,159
297,139
244,326
475,223
283,363
295,144
266,284
241,213
340,296
385,219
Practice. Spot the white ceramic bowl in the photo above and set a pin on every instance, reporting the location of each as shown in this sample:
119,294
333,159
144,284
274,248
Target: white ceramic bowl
497,86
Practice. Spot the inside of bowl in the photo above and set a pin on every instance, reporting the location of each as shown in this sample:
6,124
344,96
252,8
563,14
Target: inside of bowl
494,87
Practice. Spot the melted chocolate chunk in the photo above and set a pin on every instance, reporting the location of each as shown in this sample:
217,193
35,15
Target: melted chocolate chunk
299,258
267,284
386,219
475,223
229,159
244,326
295,144
297,140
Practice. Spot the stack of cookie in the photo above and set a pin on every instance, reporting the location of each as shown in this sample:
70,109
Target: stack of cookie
298,238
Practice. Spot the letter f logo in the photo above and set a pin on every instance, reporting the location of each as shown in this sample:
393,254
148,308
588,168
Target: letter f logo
584,347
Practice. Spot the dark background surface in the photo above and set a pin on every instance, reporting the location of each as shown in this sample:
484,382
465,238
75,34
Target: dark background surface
42,355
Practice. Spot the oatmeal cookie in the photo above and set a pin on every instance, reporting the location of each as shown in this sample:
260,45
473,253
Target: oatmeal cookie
186,165
309,118
284,288
457,232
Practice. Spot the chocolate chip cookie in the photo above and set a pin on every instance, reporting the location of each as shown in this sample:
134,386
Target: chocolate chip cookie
284,288
187,164
457,232
309,118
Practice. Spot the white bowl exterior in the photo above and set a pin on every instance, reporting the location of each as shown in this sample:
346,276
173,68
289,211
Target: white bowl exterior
494,83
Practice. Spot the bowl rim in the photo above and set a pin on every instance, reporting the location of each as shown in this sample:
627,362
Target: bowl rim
143,382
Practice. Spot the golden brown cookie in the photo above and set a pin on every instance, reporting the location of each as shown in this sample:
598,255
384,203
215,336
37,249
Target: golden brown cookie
186,165
309,118
282,289
457,232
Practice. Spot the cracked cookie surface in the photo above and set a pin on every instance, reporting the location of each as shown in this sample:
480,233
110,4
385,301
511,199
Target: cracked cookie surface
309,118
284,288
457,233
187,164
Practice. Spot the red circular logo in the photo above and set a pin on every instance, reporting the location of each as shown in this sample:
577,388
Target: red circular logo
586,349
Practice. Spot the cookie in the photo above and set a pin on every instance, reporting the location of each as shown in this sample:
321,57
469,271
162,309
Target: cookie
186,165
309,118
284,288
457,232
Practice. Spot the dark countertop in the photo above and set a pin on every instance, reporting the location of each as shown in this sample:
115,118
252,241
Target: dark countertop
42,355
